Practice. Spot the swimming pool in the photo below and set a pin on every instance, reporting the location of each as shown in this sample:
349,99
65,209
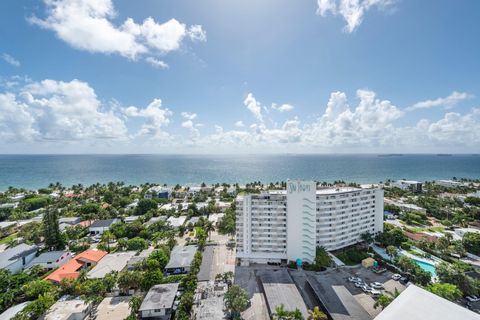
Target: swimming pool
426,266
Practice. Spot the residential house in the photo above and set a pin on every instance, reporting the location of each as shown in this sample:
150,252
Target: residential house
74,309
159,301
159,192
16,258
111,262
177,222
181,259
71,269
51,260
70,220
414,186
11,312
112,308
100,226
131,219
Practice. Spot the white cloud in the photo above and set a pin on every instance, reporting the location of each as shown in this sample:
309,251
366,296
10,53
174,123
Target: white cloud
10,60
88,25
447,102
70,111
188,115
283,107
352,11
16,122
254,106
239,124
187,124
157,63
196,33
156,118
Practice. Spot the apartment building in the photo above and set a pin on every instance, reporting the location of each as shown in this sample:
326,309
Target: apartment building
288,225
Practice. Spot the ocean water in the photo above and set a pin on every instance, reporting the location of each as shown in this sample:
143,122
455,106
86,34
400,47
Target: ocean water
35,171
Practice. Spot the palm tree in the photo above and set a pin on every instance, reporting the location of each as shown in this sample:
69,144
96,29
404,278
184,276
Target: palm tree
392,252
316,314
134,304
209,228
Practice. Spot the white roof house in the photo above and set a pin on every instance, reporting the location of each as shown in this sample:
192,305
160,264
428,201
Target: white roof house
158,303
111,262
13,310
177,222
16,258
418,304
181,259
75,309
51,260
113,308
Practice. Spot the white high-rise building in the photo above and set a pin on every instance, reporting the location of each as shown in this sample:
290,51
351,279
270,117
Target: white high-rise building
287,225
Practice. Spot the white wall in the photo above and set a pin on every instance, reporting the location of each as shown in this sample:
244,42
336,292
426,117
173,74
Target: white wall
301,220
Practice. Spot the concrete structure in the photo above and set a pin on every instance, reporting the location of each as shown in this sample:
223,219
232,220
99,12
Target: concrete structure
412,185
70,220
277,226
448,183
418,304
181,259
177,222
113,308
16,258
51,260
407,207
131,219
100,226
158,303
158,192
215,217
75,309
13,310
279,289
111,262
155,220
71,269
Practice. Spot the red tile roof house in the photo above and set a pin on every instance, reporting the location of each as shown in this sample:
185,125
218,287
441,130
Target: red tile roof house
71,269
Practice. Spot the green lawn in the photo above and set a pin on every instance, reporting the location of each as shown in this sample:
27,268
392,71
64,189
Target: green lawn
8,239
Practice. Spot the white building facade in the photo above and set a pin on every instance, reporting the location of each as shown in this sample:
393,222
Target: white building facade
288,225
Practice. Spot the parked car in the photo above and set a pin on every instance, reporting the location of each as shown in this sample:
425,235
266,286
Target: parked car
472,298
376,285
404,280
359,284
354,279
375,293
396,277
366,288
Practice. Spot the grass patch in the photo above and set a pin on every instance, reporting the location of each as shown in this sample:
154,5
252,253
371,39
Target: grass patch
8,239
351,256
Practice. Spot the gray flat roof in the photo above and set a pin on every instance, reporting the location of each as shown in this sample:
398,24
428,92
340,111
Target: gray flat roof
13,310
111,262
280,289
160,296
181,257
103,223
418,304
338,301
48,257
206,266
11,254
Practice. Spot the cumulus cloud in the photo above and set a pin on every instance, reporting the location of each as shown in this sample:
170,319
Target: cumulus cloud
10,60
157,63
188,115
57,110
155,117
254,106
283,107
447,102
239,124
88,25
352,11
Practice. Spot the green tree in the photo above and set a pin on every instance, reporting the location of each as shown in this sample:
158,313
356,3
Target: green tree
445,290
236,300
145,205
137,244
134,304
316,314
383,301
392,252
471,242
52,235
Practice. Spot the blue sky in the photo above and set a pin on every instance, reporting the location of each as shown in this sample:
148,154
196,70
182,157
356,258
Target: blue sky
224,76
